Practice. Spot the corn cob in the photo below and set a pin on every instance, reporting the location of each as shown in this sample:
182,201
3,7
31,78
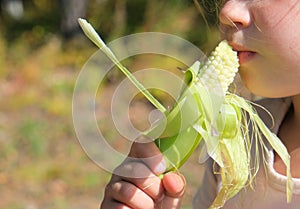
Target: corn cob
206,110
217,119
220,68
211,80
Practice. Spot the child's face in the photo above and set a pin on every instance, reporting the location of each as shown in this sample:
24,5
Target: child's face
266,34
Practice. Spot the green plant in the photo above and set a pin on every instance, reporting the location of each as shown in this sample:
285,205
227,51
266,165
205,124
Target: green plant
207,110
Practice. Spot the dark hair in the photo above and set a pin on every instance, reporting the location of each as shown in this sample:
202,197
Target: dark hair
209,8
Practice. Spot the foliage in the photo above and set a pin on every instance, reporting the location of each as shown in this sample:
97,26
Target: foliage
42,163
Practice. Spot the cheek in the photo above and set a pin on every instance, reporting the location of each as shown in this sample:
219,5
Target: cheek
277,37
254,80
284,41
251,83
264,77
271,79
283,54
277,22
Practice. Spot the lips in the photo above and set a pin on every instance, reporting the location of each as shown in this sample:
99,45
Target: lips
244,54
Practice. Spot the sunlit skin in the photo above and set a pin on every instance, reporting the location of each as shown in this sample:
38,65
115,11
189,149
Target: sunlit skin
264,34
267,29
147,192
267,37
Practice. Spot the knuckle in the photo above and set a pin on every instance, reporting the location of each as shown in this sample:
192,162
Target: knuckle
139,170
109,204
124,192
108,191
134,169
123,189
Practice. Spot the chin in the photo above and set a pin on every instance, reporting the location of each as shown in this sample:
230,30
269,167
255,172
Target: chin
266,92
269,94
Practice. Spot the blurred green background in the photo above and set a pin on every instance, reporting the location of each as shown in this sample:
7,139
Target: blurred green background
42,52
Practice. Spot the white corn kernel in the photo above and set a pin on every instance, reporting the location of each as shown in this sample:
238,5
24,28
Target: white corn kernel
219,70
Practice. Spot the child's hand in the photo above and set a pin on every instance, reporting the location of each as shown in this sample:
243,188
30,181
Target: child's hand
135,183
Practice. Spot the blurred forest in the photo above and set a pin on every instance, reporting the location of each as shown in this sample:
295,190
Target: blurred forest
42,51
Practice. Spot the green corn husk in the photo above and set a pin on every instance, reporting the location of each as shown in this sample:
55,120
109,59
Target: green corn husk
220,119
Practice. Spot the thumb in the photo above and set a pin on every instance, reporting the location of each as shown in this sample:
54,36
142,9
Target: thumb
174,185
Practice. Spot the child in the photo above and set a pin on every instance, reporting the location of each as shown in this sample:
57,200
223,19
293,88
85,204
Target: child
266,35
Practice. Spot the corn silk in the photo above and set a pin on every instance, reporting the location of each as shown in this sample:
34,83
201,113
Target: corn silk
227,124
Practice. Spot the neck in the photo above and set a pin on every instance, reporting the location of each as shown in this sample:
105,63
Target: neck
290,136
289,131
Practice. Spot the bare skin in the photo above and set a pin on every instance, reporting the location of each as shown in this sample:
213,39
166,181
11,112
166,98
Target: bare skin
140,187
263,34
290,135
266,37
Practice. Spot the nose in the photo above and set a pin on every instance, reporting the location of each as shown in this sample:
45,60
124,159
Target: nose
235,13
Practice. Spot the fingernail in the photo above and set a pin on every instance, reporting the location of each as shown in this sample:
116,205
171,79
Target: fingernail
161,167
179,183
174,184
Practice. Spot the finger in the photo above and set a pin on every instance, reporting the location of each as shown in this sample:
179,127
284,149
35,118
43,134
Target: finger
109,204
174,185
169,202
130,195
146,150
140,175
